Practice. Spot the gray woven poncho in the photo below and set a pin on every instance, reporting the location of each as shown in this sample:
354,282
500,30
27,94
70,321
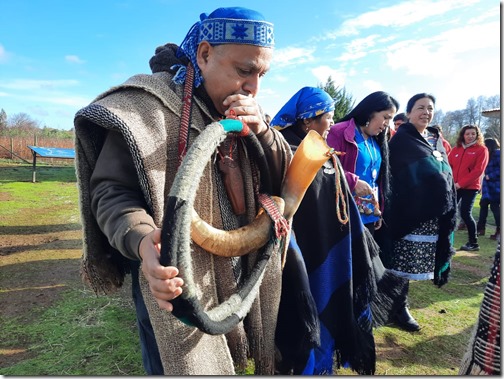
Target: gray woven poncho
145,110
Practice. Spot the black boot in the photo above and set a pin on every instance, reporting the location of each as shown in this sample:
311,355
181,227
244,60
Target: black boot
406,321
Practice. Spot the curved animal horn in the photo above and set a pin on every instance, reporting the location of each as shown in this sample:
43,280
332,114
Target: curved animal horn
307,160
234,243
309,157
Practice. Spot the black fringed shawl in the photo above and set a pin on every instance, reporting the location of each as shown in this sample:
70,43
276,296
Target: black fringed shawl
350,286
298,326
422,189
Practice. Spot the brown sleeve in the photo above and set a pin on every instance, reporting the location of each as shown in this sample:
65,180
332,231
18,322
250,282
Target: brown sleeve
117,201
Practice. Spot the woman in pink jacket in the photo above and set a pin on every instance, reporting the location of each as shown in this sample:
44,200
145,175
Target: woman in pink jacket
468,160
361,135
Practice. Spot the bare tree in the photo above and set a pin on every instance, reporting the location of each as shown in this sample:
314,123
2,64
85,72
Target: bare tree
491,126
492,102
22,122
438,118
473,112
452,121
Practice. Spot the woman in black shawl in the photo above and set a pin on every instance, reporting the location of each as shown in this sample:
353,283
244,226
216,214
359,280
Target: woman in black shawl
421,213
352,290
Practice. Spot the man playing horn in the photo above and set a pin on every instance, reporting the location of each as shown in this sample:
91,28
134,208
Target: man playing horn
129,144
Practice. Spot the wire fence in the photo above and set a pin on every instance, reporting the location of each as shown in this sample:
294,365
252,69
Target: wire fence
16,148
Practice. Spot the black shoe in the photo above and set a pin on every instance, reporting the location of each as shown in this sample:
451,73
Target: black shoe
470,247
406,321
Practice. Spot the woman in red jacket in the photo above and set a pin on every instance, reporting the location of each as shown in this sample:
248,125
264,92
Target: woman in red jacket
468,160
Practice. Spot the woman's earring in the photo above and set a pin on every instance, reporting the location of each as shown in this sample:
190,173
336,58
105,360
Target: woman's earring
367,124
307,125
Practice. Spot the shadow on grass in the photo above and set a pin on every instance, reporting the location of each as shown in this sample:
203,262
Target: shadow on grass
447,316
35,285
20,239
64,173
39,229
55,325
455,290
450,347
55,244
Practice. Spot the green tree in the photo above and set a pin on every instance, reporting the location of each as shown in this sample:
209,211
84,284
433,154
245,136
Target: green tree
3,120
56,133
344,101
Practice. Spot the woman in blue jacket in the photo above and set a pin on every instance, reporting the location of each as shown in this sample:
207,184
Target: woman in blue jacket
490,191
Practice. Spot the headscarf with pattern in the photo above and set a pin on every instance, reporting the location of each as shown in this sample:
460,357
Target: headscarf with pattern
232,25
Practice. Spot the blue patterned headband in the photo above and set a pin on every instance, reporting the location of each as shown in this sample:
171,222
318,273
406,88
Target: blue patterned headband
233,25
308,102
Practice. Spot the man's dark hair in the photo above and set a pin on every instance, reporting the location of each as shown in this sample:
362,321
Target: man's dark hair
400,116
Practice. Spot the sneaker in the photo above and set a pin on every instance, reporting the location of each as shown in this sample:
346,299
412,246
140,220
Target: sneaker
470,247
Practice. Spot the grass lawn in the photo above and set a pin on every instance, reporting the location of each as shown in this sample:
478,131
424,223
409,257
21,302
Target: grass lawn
53,325
447,314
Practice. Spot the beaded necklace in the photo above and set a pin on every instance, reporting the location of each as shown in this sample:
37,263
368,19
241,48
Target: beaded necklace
368,205
373,155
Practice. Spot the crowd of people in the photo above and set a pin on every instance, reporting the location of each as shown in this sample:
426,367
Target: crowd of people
334,270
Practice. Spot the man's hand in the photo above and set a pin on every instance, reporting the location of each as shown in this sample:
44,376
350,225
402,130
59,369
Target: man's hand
163,281
247,110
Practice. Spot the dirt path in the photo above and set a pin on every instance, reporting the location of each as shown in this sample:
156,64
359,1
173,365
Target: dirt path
35,270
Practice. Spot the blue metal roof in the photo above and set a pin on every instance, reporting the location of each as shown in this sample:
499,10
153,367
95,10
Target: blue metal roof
53,152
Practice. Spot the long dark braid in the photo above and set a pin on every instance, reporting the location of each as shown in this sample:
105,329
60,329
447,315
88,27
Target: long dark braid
384,177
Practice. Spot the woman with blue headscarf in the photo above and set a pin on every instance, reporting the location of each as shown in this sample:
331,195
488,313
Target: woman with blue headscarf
346,277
